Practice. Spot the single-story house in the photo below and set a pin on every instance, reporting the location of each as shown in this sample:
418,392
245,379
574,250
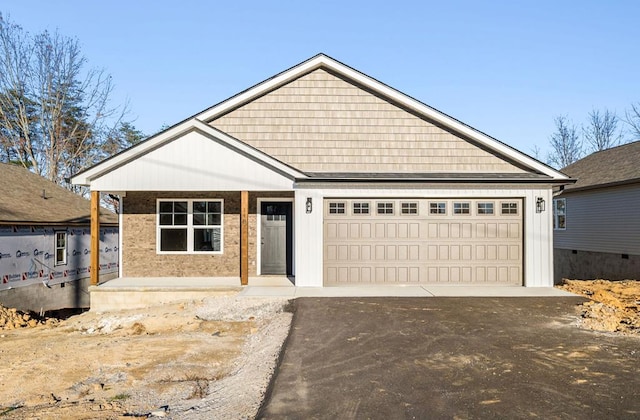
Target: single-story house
596,220
328,176
44,243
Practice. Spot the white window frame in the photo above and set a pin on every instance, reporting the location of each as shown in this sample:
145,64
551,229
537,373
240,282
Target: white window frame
556,216
56,248
190,226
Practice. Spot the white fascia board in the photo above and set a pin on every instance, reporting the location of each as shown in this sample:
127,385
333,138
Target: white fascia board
95,172
386,91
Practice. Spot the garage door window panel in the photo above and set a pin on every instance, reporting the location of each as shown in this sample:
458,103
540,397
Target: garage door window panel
337,208
485,208
409,208
361,208
439,208
462,208
385,208
510,208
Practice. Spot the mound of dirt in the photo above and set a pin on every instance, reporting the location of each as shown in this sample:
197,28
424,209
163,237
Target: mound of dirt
614,306
11,319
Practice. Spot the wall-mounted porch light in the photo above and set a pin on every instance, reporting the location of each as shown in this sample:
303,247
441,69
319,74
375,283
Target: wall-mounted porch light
540,205
309,205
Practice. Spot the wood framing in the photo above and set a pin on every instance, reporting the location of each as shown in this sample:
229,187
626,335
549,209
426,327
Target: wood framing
95,237
244,238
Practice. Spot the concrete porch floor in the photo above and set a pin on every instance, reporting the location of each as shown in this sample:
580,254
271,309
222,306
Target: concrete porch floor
138,292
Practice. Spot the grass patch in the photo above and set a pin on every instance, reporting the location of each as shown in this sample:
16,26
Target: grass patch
121,397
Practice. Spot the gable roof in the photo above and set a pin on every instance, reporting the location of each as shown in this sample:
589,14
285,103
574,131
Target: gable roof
153,143
616,166
322,61
22,194
201,122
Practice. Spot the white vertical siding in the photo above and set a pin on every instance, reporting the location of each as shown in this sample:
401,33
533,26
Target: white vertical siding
308,238
538,232
193,162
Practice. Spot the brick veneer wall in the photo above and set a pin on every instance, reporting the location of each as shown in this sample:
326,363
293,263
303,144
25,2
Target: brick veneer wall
139,256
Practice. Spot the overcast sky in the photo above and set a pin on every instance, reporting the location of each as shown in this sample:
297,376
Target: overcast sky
506,68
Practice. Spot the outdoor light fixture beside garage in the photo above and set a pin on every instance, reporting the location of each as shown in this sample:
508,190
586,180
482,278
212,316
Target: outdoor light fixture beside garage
540,205
309,205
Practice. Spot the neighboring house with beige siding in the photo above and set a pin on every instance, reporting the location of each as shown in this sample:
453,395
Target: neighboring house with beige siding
330,177
596,220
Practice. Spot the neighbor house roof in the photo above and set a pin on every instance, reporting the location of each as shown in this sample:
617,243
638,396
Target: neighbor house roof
28,198
616,166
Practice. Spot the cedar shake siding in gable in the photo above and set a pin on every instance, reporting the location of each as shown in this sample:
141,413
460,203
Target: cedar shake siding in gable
139,256
321,123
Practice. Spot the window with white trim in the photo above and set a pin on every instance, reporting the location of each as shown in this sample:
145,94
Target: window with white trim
438,207
385,208
409,207
61,248
360,208
560,213
190,226
510,207
461,208
337,208
485,207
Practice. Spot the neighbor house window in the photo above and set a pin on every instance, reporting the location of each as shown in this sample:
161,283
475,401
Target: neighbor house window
385,208
461,208
485,208
336,208
360,208
190,226
409,208
61,248
438,208
510,207
560,213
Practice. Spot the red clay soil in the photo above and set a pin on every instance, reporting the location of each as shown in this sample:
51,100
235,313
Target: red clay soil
614,306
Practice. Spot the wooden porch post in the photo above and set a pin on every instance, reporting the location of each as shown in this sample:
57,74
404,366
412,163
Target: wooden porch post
244,238
95,237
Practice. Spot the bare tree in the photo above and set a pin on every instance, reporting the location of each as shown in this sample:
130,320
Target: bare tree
633,120
601,131
566,146
54,114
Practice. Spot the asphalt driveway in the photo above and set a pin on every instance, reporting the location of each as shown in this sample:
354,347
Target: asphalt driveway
462,358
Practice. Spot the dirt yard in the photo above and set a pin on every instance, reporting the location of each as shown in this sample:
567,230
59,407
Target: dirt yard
196,360
210,359
614,306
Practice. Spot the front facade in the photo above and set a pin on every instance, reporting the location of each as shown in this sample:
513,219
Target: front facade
596,221
329,177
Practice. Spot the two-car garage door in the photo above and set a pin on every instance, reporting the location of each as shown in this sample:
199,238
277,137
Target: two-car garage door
413,241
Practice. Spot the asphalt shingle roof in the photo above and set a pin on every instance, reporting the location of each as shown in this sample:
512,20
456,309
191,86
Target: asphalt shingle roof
617,165
22,202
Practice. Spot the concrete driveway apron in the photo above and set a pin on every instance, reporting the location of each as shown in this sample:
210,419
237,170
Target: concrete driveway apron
463,358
